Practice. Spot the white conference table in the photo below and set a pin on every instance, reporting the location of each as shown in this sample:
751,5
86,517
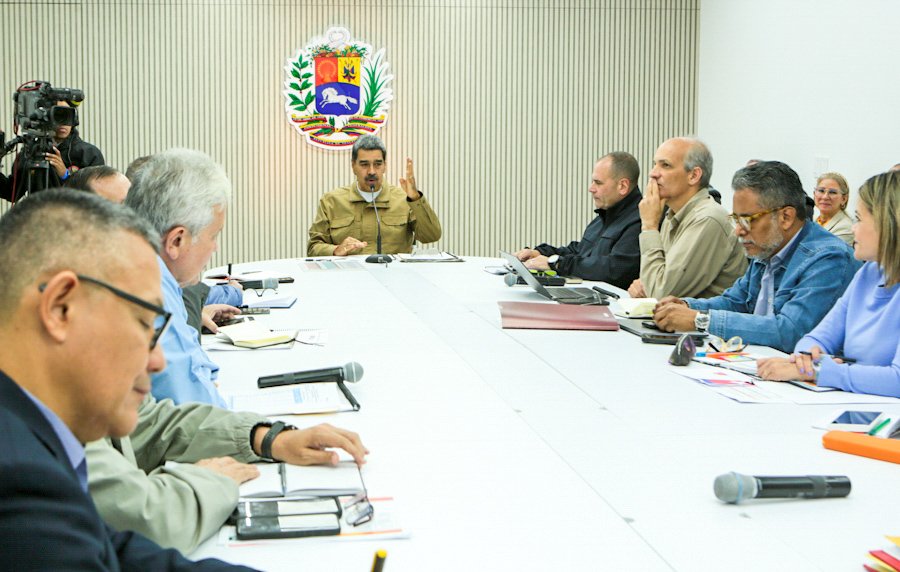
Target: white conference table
548,450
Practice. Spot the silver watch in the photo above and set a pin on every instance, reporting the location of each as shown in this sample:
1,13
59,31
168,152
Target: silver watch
552,260
701,322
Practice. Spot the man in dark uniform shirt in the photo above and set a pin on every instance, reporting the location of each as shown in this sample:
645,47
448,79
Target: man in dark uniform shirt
609,250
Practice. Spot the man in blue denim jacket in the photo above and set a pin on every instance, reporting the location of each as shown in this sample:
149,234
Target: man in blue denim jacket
797,270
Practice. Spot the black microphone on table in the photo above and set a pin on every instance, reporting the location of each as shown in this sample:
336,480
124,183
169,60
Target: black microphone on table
351,371
735,487
378,258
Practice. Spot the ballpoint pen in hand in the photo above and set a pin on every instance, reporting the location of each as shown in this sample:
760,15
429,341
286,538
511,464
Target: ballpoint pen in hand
832,356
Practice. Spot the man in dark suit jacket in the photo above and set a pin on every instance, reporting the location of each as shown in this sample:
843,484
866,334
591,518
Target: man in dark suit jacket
79,320
609,251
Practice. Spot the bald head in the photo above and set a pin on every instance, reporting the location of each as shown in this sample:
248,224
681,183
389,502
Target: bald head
682,166
102,180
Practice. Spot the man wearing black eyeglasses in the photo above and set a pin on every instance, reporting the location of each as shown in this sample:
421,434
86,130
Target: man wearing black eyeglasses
798,270
80,318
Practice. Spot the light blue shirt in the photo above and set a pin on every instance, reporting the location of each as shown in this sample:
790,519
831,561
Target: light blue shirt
863,325
225,294
765,303
189,375
71,445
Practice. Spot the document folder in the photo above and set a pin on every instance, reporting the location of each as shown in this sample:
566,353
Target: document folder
863,445
542,316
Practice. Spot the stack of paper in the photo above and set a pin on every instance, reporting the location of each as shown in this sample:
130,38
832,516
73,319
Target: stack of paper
429,256
315,264
715,376
282,302
254,335
301,399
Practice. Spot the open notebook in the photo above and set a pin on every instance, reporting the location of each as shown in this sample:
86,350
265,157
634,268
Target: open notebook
283,480
254,335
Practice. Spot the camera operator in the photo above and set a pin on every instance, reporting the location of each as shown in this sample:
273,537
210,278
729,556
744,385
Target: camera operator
69,153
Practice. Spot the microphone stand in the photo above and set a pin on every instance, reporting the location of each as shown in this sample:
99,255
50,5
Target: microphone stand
378,258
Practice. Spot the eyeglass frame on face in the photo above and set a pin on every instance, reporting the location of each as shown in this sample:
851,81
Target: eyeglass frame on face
158,310
746,221
830,192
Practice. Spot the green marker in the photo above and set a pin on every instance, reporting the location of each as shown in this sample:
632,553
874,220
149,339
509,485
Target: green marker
879,427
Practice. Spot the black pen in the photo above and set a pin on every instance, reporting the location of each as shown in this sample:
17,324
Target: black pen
833,356
606,292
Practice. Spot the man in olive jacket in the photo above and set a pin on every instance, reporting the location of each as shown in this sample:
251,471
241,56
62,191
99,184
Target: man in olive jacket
346,223
181,504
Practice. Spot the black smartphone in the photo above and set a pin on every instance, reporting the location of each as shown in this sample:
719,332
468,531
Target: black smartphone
253,311
670,338
232,321
650,325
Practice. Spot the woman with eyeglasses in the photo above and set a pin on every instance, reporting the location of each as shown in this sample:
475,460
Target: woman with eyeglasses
831,196
856,346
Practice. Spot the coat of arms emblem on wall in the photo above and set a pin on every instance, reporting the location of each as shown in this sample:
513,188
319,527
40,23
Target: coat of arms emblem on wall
337,89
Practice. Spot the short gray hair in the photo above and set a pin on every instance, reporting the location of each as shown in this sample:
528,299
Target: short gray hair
179,187
776,185
698,155
368,143
624,166
60,229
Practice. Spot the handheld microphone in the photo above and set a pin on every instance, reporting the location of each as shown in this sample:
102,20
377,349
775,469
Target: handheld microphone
351,371
379,257
735,487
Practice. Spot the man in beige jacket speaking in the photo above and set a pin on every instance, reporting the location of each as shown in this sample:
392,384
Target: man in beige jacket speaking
346,221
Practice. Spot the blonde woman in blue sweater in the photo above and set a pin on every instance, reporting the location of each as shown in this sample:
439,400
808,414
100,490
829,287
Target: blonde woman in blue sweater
864,325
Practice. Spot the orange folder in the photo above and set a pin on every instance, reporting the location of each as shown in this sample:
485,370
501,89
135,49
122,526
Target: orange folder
540,316
863,445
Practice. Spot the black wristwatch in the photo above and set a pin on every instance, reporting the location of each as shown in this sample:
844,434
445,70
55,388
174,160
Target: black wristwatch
265,449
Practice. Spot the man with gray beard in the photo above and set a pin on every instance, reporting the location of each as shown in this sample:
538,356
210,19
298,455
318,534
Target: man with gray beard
797,272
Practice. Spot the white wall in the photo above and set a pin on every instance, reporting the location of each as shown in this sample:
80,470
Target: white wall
800,80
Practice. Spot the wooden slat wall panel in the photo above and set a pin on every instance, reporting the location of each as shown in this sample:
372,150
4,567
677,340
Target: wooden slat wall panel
503,105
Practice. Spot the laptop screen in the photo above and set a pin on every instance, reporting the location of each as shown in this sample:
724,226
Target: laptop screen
523,273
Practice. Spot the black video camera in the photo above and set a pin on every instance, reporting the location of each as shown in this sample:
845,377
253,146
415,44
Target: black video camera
38,115
37,112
